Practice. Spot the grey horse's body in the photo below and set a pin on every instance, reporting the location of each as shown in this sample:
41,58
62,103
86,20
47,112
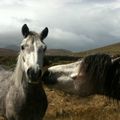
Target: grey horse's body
22,96
4,87
23,102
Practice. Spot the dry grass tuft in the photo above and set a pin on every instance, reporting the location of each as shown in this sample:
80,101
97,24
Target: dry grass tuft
68,107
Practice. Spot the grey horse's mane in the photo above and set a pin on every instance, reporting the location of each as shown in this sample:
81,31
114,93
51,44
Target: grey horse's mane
18,72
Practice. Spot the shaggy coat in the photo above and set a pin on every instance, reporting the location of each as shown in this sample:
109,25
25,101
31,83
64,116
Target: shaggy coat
22,96
94,74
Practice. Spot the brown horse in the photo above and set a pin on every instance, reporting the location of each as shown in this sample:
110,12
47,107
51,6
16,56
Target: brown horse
94,74
22,96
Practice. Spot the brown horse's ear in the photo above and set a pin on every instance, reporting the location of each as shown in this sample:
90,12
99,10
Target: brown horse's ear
44,34
25,30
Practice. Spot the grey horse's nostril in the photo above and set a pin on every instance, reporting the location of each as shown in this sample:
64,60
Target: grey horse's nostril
40,73
34,74
30,73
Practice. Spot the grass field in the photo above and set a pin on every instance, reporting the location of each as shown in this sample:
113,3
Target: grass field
68,107
63,106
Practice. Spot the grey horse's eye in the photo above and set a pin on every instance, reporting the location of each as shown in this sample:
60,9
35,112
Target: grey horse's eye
22,47
44,48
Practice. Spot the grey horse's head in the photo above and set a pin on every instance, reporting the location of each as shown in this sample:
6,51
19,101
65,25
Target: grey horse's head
32,52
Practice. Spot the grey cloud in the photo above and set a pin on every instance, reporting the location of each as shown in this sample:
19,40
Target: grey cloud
22,20
81,42
26,20
13,38
79,2
72,24
12,3
98,1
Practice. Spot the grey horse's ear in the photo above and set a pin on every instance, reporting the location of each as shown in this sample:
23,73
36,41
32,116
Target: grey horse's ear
44,34
25,30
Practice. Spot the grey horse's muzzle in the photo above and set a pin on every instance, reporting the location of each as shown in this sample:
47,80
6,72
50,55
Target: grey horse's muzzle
34,75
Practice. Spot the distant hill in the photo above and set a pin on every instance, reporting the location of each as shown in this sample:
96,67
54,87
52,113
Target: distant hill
12,47
7,52
49,52
58,52
113,49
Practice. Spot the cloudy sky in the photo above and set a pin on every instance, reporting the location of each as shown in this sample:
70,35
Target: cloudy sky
73,24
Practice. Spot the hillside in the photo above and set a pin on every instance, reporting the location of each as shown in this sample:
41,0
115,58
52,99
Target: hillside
58,56
63,106
113,49
12,47
58,52
7,52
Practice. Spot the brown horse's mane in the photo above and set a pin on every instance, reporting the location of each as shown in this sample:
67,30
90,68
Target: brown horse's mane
103,74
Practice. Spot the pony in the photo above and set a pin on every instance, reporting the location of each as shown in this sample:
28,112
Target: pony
22,96
94,74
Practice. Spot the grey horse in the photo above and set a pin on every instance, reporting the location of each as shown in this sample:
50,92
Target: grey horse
22,96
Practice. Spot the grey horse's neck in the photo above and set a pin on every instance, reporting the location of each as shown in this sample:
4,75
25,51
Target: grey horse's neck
18,74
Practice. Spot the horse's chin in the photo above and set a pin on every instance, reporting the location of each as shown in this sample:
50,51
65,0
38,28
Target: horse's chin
33,82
